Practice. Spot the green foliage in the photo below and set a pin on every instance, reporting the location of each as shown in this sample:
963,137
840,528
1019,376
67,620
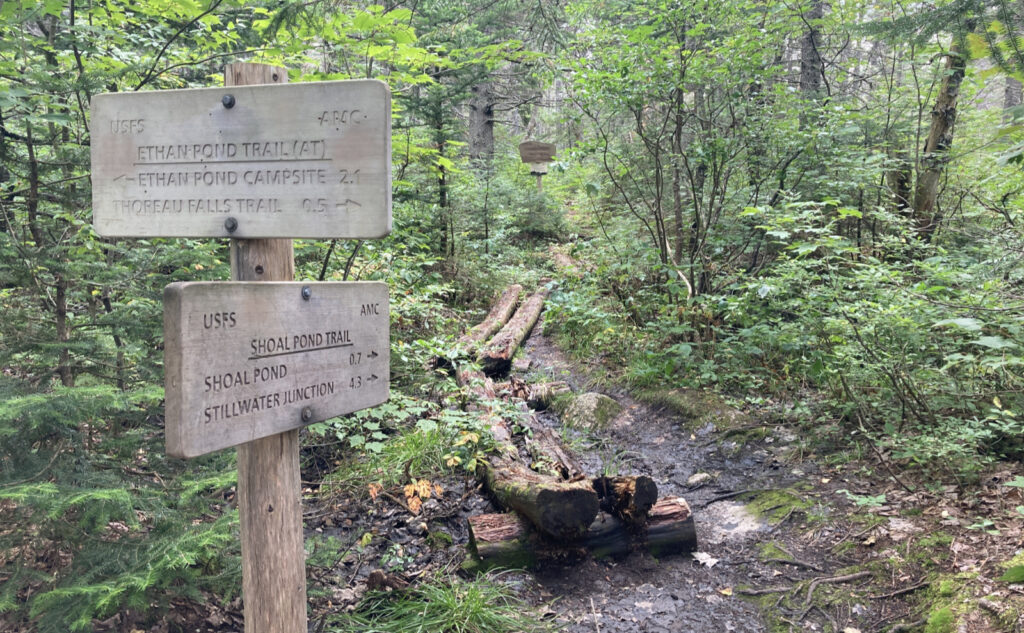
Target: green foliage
444,605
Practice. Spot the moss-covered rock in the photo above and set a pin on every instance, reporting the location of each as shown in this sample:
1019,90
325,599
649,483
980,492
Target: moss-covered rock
590,411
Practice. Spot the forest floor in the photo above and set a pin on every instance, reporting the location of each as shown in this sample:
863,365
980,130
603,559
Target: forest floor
790,538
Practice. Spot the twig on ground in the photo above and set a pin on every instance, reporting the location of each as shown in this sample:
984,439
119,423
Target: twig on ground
832,581
795,563
908,626
900,592
593,609
730,495
764,592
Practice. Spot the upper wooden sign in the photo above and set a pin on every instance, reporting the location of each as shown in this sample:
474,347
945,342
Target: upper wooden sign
536,152
292,160
245,360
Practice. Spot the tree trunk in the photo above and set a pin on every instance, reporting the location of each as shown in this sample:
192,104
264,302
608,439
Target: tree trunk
935,154
505,540
1012,93
812,69
496,358
481,125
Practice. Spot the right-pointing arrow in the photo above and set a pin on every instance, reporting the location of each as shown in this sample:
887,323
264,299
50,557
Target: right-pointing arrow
372,354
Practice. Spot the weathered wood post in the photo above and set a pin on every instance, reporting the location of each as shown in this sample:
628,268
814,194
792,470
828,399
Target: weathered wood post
248,363
269,505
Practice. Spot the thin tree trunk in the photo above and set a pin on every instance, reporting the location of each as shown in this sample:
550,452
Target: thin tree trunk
935,154
812,69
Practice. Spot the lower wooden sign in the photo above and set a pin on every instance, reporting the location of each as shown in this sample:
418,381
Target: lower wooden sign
245,360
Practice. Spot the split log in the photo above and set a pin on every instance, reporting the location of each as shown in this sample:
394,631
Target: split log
547,451
628,498
496,357
558,508
499,315
505,540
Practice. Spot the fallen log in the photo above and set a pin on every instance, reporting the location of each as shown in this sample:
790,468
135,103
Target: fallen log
561,509
628,498
496,357
506,540
499,315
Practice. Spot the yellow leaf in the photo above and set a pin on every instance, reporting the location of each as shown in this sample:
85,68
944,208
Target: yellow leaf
410,491
467,437
997,402
366,539
423,488
727,591
453,460
438,490
415,504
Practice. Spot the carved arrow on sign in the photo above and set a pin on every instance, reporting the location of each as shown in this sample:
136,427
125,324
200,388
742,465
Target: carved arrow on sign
372,378
372,354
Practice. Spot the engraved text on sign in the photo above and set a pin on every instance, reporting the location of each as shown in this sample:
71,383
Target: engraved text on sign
245,360
292,160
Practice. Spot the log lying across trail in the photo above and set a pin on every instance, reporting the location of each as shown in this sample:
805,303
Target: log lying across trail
499,315
506,540
557,506
496,357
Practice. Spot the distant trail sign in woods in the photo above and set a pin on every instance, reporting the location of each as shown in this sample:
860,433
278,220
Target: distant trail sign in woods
294,160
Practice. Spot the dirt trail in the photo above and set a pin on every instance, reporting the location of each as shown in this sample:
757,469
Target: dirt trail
680,593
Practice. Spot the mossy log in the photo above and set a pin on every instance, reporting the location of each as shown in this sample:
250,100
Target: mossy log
629,498
496,357
499,315
506,540
542,395
560,509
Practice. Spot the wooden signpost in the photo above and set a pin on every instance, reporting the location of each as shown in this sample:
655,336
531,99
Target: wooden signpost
537,155
247,364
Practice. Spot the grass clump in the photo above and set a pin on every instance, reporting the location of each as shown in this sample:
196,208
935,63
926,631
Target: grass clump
444,605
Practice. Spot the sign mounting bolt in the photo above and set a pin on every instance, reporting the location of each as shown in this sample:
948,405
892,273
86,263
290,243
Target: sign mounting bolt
228,101
307,292
231,225
307,414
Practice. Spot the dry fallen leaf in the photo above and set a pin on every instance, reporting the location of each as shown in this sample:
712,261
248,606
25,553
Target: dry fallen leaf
705,559
727,591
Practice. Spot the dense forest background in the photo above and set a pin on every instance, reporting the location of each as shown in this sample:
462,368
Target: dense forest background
813,207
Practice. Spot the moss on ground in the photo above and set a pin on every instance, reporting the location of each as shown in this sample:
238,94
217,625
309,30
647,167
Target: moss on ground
697,408
775,505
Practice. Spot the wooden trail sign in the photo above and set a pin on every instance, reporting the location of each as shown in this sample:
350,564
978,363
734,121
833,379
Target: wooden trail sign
300,160
247,360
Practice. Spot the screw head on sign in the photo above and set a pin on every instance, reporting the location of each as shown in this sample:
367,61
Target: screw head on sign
307,414
231,225
228,101
307,292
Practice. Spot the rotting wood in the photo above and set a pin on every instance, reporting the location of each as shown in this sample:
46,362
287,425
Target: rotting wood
496,358
558,508
628,497
506,540
543,395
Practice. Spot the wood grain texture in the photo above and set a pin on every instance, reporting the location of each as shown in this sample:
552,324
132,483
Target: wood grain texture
304,160
269,482
245,360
